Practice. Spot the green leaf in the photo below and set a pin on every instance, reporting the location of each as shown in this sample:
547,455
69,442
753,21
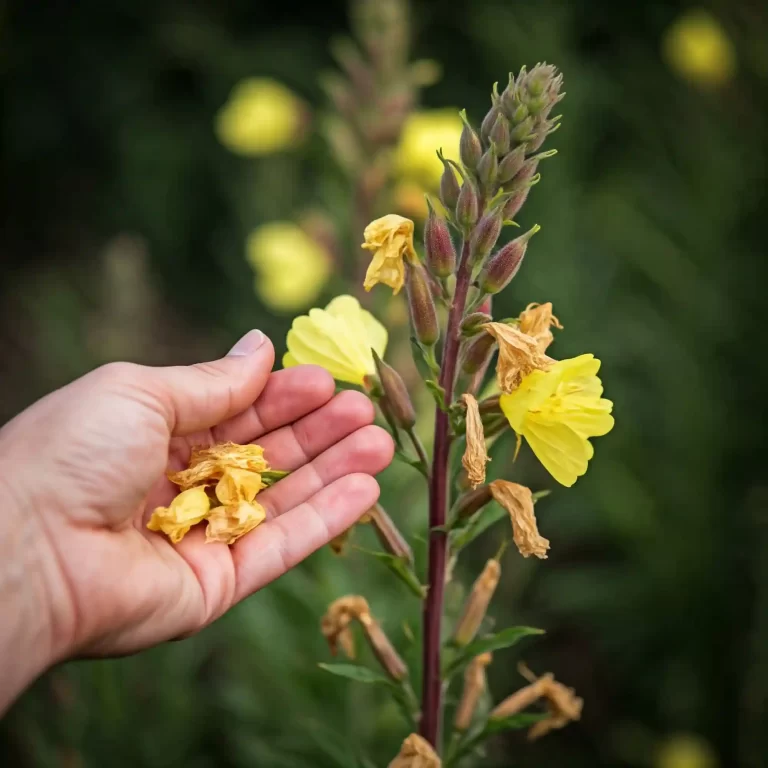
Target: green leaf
476,736
504,639
477,524
401,569
437,392
514,723
355,672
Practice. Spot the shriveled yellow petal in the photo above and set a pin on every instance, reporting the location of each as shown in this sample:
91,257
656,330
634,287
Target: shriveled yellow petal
227,524
238,485
563,705
536,321
335,624
475,455
416,752
519,355
391,240
518,501
187,509
208,463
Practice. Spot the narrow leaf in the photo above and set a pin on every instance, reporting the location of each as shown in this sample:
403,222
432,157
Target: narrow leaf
514,723
504,639
401,569
437,392
355,672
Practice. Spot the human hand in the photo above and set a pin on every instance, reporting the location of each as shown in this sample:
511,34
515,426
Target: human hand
84,468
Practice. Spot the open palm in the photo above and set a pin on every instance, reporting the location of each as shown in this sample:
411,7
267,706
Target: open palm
89,467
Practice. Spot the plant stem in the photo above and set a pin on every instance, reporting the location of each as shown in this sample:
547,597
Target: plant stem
432,688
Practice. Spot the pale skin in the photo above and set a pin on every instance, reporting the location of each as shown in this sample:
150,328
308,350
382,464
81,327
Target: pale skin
82,470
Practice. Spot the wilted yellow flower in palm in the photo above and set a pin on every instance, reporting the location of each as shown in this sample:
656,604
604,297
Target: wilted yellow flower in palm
291,268
697,47
557,411
518,501
338,338
390,238
423,133
229,522
260,117
416,752
536,321
187,509
210,463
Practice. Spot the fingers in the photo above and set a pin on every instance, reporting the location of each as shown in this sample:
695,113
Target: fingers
293,446
278,545
199,396
287,396
368,450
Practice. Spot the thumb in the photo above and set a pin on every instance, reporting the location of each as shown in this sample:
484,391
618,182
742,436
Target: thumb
200,396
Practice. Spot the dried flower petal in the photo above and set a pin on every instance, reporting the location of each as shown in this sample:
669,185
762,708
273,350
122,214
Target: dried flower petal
519,700
238,485
391,239
383,649
476,604
209,463
518,501
416,752
536,321
338,617
518,355
475,455
563,705
187,509
474,685
228,523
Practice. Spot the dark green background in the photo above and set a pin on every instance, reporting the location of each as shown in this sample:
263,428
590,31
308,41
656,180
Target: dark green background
655,596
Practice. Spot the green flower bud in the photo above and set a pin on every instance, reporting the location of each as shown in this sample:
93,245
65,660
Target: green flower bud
422,306
470,148
449,185
472,324
511,164
438,246
487,168
523,130
488,122
477,352
499,135
504,264
520,113
485,235
399,403
467,205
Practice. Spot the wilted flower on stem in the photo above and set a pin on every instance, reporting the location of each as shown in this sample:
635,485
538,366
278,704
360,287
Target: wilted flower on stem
388,533
518,501
475,456
391,240
476,604
557,411
518,355
416,752
338,338
474,685
537,320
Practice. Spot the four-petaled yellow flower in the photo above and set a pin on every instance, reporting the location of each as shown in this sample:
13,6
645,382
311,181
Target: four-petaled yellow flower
261,117
291,267
338,338
557,411
391,240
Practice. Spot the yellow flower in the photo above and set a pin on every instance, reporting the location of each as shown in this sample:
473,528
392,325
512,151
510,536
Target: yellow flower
423,134
229,522
557,411
261,117
338,338
211,463
697,47
408,198
187,509
291,267
684,750
391,240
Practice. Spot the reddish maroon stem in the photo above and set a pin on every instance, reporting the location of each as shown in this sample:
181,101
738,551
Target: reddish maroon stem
432,688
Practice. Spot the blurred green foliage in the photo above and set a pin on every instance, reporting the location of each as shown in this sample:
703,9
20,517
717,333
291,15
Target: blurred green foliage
123,222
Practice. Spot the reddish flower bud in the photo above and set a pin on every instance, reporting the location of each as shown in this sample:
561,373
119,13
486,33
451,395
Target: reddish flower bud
477,353
505,263
472,324
440,253
488,122
485,235
488,168
514,204
472,501
486,306
396,394
422,306
499,134
470,148
467,205
511,164
449,185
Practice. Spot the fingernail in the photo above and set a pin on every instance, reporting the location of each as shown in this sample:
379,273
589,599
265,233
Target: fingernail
248,344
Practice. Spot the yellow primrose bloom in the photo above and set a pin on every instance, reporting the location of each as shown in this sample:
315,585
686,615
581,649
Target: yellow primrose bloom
557,411
423,134
291,267
338,338
391,240
261,117
187,509
698,49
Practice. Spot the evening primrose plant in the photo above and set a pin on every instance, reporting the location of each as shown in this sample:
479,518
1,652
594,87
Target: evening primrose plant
555,406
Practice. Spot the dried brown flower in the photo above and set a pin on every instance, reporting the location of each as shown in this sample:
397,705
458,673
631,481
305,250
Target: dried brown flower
476,604
518,501
416,752
475,455
335,625
209,463
474,685
518,355
536,320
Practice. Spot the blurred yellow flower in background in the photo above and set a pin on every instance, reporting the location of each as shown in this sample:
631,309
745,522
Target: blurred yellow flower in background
291,268
338,338
698,49
390,238
685,750
260,117
557,411
416,158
